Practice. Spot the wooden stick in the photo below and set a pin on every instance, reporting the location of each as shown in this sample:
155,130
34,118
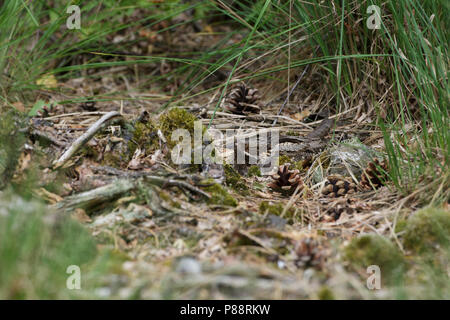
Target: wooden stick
78,143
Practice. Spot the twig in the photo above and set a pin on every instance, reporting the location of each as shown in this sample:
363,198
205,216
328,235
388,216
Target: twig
84,138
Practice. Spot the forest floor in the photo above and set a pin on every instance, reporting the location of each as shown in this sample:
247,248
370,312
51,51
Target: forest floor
167,231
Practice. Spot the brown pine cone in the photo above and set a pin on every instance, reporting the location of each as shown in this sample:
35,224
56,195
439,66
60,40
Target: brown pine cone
309,253
374,176
286,181
242,99
338,186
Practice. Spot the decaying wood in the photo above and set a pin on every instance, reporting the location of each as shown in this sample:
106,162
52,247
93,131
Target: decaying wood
113,190
96,196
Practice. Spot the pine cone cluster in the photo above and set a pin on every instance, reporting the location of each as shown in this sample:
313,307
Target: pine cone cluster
374,175
286,181
338,186
242,100
309,253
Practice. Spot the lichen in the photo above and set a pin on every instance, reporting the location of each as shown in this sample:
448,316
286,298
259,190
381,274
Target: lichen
220,196
372,249
427,230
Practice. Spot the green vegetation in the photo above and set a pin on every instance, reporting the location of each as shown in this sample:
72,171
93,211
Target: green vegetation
176,119
220,196
428,230
372,249
254,171
36,248
275,209
234,180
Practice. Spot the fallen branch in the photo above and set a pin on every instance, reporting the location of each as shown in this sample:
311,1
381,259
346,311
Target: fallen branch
84,138
96,196
156,180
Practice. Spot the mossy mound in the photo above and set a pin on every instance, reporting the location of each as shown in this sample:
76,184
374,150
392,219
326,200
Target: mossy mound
373,249
220,196
427,230
176,119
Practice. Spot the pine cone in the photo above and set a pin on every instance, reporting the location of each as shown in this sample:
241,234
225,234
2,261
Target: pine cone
338,186
309,253
374,175
241,100
286,181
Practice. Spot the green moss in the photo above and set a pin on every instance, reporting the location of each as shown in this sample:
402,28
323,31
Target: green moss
254,171
325,293
233,179
283,159
169,199
176,119
220,196
400,225
373,249
144,137
11,142
427,230
275,209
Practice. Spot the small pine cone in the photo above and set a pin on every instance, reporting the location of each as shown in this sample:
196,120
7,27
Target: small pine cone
241,100
309,253
374,175
338,186
286,181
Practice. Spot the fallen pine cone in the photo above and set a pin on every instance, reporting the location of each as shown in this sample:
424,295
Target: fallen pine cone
374,176
286,181
242,99
338,186
309,253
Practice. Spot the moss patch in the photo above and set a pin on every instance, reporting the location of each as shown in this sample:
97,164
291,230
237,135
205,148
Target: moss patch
233,179
176,119
11,142
282,160
325,293
145,137
275,209
254,171
220,196
373,249
428,229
